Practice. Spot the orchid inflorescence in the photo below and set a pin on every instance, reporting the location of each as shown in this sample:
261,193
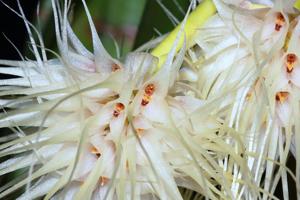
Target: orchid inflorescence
213,108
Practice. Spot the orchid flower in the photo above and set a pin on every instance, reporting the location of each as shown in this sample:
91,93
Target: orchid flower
102,128
212,108
249,58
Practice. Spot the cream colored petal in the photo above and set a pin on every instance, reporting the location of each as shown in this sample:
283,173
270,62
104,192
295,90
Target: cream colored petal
295,76
156,110
284,112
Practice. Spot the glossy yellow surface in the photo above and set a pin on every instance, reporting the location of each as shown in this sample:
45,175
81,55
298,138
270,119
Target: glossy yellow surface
195,20
297,5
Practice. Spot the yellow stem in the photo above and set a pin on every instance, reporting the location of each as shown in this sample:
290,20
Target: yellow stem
254,6
297,5
194,21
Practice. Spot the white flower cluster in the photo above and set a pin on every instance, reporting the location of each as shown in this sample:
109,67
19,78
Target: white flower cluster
218,118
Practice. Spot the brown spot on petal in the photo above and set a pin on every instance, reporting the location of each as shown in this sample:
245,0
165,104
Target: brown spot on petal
118,108
279,21
291,59
254,87
281,96
248,96
139,131
115,67
146,99
108,99
103,181
106,128
134,92
150,88
127,164
95,151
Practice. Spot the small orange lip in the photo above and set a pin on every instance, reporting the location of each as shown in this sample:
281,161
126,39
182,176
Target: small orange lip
139,131
115,67
118,108
146,99
103,181
291,59
95,151
281,96
279,21
150,88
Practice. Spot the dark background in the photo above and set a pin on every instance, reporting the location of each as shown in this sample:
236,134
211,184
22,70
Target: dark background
112,20
13,28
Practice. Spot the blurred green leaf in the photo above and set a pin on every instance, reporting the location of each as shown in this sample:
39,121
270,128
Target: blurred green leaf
115,20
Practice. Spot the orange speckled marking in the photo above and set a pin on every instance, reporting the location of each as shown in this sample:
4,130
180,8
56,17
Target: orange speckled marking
150,88
291,59
139,131
127,164
95,151
115,67
146,99
248,96
103,180
118,108
279,21
281,96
